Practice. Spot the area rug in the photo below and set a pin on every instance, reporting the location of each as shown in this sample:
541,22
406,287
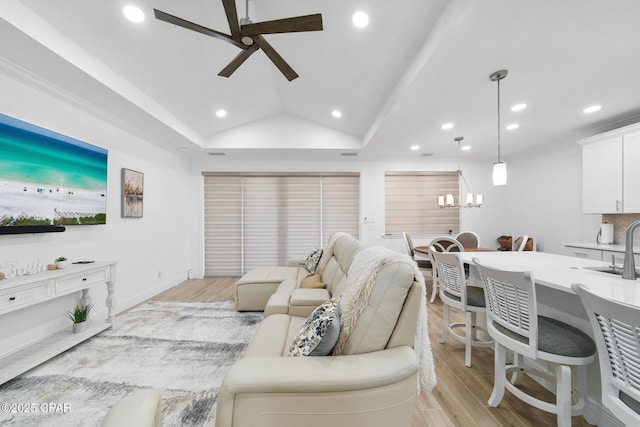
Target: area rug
181,349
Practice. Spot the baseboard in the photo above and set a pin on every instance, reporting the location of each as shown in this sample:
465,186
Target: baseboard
594,412
598,415
122,305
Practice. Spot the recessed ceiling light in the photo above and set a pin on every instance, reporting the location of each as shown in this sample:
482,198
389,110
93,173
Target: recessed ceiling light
512,126
336,113
360,19
415,147
465,148
518,107
221,113
133,13
447,126
592,109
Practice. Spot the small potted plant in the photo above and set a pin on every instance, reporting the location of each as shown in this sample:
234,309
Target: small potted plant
79,316
61,262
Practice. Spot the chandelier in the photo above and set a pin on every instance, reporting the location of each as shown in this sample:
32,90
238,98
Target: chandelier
448,200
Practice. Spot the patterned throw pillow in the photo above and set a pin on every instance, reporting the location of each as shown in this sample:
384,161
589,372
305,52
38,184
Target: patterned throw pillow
319,333
312,260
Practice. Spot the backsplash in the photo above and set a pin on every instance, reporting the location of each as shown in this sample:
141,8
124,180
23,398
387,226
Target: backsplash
620,224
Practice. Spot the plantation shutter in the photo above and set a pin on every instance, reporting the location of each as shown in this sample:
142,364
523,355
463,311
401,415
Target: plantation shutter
411,202
256,220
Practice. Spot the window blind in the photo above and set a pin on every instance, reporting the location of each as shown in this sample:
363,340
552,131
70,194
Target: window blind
223,226
411,202
265,220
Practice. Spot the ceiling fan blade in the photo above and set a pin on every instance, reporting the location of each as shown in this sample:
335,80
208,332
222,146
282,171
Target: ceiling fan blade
237,61
275,58
171,19
232,17
286,25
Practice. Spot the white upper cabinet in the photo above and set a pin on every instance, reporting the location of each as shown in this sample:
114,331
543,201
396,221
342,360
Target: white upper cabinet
602,176
611,172
631,184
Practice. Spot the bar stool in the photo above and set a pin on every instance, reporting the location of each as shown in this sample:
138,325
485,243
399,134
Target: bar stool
455,292
616,327
514,324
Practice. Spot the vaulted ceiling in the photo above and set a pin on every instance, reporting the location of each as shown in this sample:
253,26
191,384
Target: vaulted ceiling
419,64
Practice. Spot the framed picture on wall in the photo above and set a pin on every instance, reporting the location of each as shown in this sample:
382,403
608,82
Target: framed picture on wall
132,193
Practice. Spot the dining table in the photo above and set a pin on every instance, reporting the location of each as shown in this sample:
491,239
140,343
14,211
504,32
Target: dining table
424,250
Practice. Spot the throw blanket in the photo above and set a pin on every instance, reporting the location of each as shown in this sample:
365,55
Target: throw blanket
327,252
361,277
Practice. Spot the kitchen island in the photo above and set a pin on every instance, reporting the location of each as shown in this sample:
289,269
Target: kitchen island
554,275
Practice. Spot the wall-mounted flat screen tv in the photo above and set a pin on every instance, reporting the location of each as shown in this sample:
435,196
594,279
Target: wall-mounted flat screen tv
48,180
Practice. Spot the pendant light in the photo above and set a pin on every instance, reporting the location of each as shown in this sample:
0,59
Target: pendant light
499,175
447,201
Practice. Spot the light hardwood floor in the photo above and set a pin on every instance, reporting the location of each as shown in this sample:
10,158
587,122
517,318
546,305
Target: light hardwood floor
459,399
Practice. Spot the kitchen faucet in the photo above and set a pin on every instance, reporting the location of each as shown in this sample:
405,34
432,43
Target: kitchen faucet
629,269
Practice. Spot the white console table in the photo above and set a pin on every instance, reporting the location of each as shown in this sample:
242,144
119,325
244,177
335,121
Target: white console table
24,291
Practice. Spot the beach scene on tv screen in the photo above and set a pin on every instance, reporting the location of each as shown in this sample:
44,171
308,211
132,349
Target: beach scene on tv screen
49,179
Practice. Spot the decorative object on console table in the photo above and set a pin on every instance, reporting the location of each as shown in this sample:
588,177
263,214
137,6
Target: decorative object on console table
79,317
61,262
132,193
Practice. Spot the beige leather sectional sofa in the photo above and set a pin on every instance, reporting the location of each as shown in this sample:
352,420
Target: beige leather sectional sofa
373,381
276,290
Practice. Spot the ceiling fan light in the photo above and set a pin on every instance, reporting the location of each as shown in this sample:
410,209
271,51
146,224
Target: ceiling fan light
499,175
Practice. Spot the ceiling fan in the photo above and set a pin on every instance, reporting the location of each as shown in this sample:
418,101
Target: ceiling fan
248,35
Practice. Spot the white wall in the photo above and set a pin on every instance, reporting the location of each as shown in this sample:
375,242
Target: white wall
152,252
544,197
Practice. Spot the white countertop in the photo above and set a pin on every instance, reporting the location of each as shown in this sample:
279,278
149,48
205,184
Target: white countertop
560,272
601,247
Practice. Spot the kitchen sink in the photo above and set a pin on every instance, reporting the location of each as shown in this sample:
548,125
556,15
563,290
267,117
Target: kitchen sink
617,270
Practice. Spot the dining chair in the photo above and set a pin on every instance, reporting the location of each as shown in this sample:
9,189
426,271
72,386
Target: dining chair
423,264
616,328
456,292
514,324
468,239
441,244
